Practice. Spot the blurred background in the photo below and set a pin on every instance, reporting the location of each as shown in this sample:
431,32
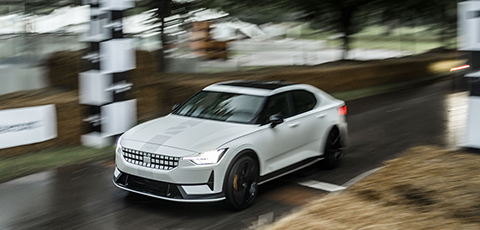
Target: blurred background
244,35
43,42
388,59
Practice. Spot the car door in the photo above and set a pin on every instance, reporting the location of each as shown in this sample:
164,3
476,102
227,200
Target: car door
311,120
279,144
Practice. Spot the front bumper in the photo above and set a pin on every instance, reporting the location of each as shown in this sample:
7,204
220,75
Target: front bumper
147,173
166,191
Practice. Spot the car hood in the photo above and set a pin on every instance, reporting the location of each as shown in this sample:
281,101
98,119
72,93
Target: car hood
187,133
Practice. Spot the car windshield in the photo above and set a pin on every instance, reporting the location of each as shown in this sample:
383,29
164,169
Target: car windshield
222,106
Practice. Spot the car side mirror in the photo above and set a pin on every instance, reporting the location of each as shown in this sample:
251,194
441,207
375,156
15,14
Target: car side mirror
175,107
275,120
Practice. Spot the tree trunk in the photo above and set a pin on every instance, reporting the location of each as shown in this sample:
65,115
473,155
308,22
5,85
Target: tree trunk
443,24
161,51
346,46
346,22
163,10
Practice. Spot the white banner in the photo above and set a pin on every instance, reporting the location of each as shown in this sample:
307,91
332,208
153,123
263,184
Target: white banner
27,125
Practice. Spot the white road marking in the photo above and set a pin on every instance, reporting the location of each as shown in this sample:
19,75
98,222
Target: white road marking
322,186
336,188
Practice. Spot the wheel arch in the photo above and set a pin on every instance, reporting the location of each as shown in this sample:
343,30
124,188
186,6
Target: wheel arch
324,138
231,201
244,152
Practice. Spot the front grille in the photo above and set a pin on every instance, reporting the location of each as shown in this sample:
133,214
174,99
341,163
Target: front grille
150,160
148,186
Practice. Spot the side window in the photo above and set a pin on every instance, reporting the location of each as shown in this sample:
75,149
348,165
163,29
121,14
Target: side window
303,101
275,105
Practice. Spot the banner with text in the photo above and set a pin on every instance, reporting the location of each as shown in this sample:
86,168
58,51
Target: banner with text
27,125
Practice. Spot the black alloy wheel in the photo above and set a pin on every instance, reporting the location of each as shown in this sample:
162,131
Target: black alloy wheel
241,186
333,149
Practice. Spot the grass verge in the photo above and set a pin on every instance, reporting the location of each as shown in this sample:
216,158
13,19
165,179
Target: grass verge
22,165
427,188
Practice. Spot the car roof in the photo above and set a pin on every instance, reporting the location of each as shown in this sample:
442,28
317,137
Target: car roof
253,87
268,85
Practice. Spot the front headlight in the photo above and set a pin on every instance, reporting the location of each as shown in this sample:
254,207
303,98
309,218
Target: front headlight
119,145
208,157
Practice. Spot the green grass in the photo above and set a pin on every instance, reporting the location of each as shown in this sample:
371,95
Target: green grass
413,39
16,166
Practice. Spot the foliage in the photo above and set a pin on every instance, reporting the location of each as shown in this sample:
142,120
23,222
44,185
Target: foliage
38,7
441,14
349,16
256,12
162,9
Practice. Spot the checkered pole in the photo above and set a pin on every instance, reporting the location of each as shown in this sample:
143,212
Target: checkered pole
469,40
103,85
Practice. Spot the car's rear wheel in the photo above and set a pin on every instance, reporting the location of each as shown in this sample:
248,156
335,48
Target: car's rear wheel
333,151
241,183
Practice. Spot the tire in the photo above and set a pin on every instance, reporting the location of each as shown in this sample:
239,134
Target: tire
241,186
333,151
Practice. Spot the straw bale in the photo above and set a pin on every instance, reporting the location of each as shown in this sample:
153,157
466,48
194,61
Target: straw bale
330,77
152,87
427,188
64,67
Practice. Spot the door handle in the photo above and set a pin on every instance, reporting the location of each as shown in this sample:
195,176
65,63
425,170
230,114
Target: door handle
293,125
320,116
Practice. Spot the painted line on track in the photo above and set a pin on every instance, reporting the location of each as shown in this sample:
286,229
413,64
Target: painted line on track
333,187
322,186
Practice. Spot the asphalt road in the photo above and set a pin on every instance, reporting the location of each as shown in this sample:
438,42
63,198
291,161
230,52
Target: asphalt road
83,196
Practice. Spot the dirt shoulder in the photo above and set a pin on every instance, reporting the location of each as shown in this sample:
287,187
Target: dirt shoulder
427,188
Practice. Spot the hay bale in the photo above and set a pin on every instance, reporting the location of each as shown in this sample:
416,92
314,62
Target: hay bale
154,97
64,67
339,211
170,88
427,188
145,68
429,179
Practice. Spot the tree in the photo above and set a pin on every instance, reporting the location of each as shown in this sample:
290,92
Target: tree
440,14
256,12
39,7
339,13
161,10
446,15
349,16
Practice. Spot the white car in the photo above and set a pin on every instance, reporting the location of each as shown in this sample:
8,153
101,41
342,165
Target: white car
229,138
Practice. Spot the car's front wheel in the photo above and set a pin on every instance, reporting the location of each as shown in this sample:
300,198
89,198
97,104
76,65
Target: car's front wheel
241,183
